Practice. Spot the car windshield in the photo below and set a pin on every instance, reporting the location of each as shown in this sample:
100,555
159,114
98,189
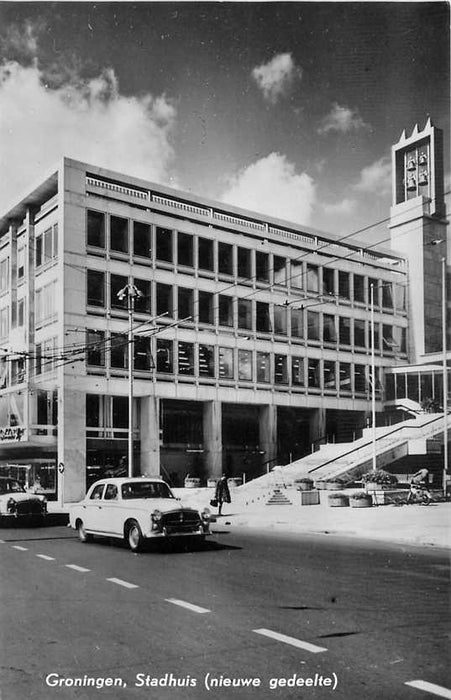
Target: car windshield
146,489
10,486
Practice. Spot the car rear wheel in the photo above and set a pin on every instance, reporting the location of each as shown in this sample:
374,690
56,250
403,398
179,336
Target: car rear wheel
82,534
134,536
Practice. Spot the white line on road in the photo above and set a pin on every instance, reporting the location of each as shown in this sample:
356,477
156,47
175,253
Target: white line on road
21,549
188,606
46,557
75,567
120,582
290,640
2,541
430,688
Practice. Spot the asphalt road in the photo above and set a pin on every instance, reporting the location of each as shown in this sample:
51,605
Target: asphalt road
249,615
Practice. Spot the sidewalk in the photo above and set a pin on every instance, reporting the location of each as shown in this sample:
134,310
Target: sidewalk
414,524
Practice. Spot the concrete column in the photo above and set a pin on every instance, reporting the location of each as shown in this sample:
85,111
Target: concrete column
212,424
72,444
150,436
317,424
268,434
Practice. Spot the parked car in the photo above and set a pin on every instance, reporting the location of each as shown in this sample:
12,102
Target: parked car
136,510
17,504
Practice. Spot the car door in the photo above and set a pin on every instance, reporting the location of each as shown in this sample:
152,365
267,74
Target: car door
92,508
109,515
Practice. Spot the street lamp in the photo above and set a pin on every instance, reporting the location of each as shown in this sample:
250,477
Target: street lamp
373,382
445,378
131,293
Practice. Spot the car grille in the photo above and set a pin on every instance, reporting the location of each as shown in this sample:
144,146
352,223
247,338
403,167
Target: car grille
180,521
29,508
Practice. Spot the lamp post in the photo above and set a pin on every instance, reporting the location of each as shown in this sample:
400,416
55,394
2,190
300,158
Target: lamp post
131,293
445,377
373,383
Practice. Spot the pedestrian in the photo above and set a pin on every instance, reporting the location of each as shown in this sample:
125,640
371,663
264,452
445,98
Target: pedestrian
222,493
419,486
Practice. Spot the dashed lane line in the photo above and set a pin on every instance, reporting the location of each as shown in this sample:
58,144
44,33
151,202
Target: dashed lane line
75,567
290,640
45,557
188,606
18,547
120,582
430,688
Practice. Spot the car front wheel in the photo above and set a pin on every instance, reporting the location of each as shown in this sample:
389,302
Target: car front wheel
82,534
134,536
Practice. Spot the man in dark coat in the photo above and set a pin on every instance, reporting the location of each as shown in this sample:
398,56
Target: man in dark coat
222,493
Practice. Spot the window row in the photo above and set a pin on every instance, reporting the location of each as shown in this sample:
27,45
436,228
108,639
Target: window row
118,234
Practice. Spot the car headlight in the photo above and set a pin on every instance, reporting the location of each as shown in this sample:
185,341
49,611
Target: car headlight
11,505
156,516
205,515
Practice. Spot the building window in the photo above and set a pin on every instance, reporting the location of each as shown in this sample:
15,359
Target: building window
329,329
37,360
359,289
119,234
359,333
47,246
297,323
245,314
345,330
280,320
96,288
206,308
244,263
389,387
93,411
205,255
165,356
4,275
20,313
344,378
280,270
344,291
312,278
185,303
387,295
206,361
95,229
143,303
328,281
95,348
245,365
164,244
296,275
186,358
226,369
360,378
119,351
117,283
45,303
280,369
388,341
312,325
225,259
400,297
313,374
263,367
225,308
262,317
120,413
164,300
297,371
142,358
330,380
185,249
262,266
21,261
399,337
17,375
142,245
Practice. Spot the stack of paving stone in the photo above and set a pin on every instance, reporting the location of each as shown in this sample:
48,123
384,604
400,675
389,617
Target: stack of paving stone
278,499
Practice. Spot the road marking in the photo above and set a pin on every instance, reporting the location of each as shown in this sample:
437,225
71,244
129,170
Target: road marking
75,567
430,688
2,541
46,557
21,549
290,640
120,582
188,606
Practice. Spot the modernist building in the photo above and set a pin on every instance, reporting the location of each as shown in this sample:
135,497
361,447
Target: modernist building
252,336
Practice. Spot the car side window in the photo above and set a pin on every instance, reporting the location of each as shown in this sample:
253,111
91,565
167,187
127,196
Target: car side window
97,492
110,492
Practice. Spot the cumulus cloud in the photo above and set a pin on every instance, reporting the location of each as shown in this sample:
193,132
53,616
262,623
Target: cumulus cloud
86,119
272,186
375,178
343,208
342,120
276,77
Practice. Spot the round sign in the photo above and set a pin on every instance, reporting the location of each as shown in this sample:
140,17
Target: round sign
61,468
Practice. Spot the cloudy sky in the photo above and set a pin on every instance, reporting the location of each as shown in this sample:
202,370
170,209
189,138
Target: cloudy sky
285,108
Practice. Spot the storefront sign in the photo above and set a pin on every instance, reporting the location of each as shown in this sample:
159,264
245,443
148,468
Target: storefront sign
11,433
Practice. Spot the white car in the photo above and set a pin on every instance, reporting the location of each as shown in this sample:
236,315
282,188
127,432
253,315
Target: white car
135,510
17,505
